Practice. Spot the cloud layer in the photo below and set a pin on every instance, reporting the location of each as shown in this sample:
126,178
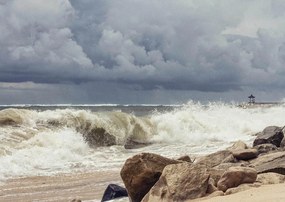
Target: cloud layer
209,46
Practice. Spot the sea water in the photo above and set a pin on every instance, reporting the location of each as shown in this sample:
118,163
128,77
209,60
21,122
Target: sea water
52,139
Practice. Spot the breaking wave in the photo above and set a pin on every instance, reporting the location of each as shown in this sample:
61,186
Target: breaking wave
44,142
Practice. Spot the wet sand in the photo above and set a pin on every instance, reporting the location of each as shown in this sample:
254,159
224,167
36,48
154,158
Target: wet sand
64,187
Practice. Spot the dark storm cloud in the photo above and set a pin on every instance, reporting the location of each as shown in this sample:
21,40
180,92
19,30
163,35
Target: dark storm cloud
211,46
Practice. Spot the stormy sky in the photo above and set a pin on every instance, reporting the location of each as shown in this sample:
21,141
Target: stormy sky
141,51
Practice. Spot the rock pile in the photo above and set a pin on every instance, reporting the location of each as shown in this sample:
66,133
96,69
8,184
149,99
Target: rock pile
149,177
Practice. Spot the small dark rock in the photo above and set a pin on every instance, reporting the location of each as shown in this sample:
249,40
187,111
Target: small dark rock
114,191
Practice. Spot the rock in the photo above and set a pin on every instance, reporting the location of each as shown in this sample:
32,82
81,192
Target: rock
180,182
185,158
265,148
240,188
238,146
114,191
282,144
131,144
214,159
230,159
273,162
75,200
270,178
226,166
212,186
271,134
99,137
141,172
235,176
245,154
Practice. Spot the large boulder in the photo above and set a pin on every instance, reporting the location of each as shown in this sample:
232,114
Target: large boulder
245,154
235,176
141,172
214,159
271,134
180,182
272,162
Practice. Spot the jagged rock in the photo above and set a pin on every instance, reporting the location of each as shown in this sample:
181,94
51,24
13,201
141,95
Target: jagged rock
273,162
214,159
238,146
271,134
180,182
270,178
245,154
114,191
235,176
265,148
185,158
141,172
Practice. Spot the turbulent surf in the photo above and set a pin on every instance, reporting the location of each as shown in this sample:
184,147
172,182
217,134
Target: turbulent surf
43,140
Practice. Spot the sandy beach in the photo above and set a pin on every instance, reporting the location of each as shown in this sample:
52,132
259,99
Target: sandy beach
91,186
64,187
265,193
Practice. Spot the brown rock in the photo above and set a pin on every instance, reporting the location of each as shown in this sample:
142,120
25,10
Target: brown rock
273,162
235,176
240,188
185,158
271,134
180,182
214,159
245,154
238,146
265,148
270,178
212,186
141,172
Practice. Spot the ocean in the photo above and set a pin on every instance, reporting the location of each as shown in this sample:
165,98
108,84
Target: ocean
45,140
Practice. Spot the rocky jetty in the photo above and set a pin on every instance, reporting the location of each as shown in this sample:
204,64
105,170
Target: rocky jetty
150,177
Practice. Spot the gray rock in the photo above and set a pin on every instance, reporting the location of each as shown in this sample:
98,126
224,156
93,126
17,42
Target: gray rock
265,148
271,134
273,162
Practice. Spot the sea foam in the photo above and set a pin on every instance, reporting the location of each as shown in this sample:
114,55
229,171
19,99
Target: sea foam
65,140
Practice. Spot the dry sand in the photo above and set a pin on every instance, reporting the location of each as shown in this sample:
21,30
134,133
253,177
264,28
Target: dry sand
65,187
265,193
